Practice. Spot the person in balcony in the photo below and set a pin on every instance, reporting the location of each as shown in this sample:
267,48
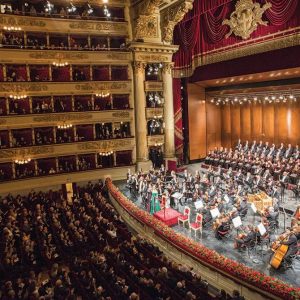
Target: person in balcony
32,11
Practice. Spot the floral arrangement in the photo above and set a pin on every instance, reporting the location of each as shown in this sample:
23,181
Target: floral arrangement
229,266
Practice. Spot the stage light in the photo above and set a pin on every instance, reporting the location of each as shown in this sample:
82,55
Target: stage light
273,97
266,98
291,96
235,99
281,97
255,98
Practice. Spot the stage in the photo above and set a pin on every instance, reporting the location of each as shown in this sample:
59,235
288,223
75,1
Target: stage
258,260
168,216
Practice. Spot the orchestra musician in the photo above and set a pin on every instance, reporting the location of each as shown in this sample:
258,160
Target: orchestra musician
296,217
244,239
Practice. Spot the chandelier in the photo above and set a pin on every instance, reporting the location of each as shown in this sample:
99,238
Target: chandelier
22,161
12,28
102,94
64,126
17,97
60,64
107,153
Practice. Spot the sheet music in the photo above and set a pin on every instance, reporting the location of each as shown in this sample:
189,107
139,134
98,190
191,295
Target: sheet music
215,212
199,204
253,207
226,198
261,228
237,222
177,195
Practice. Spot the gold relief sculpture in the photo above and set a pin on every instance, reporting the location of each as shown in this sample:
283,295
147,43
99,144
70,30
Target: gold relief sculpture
95,86
119,56
246,17
122,114
153,57
63,117
22,87
55,55
25,152
2,121
146,27
155,140
173,15
21,21
108,26
149,85
103,145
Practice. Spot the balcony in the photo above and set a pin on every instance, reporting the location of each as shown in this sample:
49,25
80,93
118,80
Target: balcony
155,140
36,152
22,121
154,86
152,113
60,25
19,56
63,88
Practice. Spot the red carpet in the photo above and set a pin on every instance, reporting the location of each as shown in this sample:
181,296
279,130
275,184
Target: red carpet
169,217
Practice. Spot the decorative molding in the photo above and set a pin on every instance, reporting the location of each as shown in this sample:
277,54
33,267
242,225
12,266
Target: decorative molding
121,114
25,152
173,15
153,140
2,122
21,21
99,26
62,117
246,17
154,57
152,112
168,67
57,55
105,145
95,86
139,66
22,87
154,86
146,27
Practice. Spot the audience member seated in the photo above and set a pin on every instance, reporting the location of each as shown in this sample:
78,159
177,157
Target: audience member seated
86,251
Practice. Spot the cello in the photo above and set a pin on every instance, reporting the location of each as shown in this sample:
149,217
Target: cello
280,251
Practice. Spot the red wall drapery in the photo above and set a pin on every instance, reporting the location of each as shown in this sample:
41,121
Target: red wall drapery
201,31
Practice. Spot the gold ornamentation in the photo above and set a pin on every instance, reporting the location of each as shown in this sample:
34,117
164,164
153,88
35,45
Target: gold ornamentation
2,121
139,66
99,26
173,15
168,67
121,114
96,86
146,27
25,152
153,57
152,112
154,86
155,140
246,17
55,55
21,21
62,118
103,145
22,87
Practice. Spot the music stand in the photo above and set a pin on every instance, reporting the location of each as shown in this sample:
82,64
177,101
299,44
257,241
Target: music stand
215,213
198,204
237,222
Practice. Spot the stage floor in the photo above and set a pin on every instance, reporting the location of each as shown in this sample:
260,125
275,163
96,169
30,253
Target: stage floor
257,261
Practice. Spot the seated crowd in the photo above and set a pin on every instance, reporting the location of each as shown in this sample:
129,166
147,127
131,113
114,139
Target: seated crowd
54,248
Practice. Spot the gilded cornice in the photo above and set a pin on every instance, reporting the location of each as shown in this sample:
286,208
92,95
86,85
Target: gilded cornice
241,50
73,57
56,25
62,117
153,49
173,15
121,114
63,88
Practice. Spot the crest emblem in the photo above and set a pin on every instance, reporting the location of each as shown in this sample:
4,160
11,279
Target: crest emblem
246,17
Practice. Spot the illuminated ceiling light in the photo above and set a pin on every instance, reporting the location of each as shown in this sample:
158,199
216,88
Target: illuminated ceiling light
64,126
60,64
212,100
17,97
273,97
236,99
255,98
12,28
281,97
22,161
266,98
291,96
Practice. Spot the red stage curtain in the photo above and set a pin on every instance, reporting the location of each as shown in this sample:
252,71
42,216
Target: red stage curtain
1,74
178,117
201,30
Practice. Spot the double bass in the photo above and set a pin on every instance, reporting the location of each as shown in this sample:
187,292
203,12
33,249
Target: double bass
280,251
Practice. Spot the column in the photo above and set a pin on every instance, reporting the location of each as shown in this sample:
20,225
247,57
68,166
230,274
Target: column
140,117
168,112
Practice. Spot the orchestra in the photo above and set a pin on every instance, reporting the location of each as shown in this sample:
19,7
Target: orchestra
228,179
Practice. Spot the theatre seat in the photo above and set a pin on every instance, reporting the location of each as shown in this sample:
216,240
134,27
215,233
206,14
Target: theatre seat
197,225
185,218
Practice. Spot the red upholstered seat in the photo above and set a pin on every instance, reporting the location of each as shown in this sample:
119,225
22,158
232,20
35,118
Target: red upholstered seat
195,225
183,217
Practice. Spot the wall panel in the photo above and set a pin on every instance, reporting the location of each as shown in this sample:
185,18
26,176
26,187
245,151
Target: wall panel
256,121
235,124
268,122
213,125
226,126
245,122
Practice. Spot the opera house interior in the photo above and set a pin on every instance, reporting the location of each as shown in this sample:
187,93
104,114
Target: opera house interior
149,149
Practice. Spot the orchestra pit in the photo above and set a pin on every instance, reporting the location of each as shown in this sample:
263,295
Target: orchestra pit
149,149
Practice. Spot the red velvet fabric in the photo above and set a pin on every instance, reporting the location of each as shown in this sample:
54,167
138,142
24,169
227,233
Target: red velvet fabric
201,31
61,74
123,158
101,73
1,74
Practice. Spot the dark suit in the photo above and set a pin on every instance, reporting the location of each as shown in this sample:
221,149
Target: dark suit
293,247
